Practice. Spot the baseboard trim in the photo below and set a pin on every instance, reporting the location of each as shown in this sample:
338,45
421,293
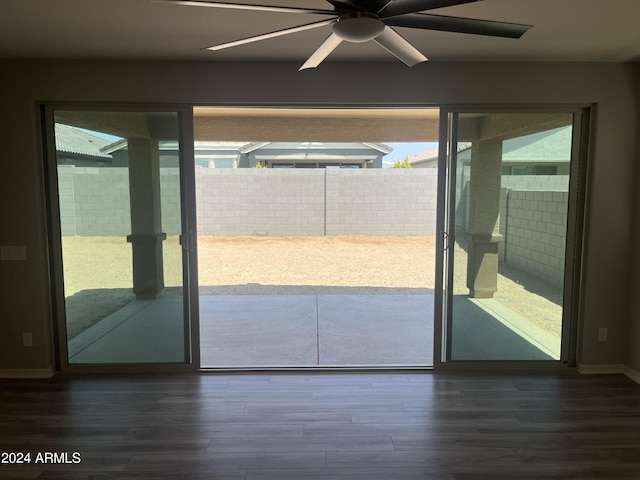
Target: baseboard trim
27,373
609,369
601,369
632,374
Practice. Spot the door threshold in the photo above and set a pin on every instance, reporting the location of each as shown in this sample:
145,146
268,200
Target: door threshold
321,369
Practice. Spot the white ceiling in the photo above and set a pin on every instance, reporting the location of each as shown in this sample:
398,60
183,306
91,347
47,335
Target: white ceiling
564,30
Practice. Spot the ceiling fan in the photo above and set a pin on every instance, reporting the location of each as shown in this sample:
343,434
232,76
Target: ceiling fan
363,20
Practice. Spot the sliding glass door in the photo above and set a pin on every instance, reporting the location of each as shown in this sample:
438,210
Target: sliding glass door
509,243
123,243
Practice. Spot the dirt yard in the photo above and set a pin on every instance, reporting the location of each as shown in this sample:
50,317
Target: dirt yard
98,276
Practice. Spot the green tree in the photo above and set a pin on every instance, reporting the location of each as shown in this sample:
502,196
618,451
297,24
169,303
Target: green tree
402,164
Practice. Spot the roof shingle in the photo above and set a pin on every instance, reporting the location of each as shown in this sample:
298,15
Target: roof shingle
74,141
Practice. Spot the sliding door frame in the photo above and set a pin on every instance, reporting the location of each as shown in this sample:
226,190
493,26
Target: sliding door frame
187,239
575,247
576,227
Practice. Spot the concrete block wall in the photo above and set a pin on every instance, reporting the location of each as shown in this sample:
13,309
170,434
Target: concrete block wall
170,201
67,203
315,202
556,183
269,202
534,235
534,224
99,202
381,202
311,202
95,201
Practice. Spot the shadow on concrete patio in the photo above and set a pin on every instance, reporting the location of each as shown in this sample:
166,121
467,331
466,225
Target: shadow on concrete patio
308,331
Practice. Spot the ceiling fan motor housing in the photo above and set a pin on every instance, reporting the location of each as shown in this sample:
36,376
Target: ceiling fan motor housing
358,27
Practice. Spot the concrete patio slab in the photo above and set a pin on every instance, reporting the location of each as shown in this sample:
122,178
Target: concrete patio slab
375,329
258,330
310,330
483,330
145,331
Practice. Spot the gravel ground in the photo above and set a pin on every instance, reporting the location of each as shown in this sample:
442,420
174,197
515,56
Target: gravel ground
98,275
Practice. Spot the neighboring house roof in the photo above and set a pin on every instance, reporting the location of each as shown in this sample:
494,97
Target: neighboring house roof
429,157
252,147
317,151
115,146
553,146
425,157
317,146
172,145
282,151
74,141
247,147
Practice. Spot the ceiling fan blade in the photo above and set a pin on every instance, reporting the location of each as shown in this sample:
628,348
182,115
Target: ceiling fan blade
323,51
277,33
343,4
395,44
390,8
243,6
458,25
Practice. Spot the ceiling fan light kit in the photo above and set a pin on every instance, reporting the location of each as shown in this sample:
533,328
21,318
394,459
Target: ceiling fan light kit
359,21
358,27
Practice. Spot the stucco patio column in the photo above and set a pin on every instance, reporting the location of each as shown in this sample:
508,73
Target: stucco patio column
483,235
146,218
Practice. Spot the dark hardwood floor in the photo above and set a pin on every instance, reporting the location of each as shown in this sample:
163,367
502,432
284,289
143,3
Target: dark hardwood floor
322,426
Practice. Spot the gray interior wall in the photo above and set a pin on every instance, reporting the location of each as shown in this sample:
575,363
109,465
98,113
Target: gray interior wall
25,304
633,347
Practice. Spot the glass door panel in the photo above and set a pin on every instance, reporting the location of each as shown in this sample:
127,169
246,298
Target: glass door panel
121,210
507,235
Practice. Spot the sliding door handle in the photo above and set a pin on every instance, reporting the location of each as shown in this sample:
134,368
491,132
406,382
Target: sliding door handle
445,241
187,240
